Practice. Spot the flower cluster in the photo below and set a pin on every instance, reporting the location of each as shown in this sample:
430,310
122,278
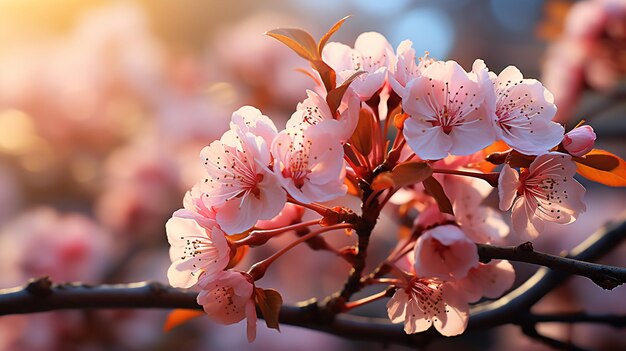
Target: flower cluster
413,136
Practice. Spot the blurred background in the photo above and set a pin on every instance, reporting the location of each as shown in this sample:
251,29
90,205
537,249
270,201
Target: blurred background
105,106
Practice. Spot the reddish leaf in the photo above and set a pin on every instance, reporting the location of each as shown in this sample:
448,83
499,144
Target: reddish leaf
334,96
330,33
435,189
517,160
402,175
328,75
603,167
310,75
353,187
498,146
297,40
362,137
269,302
178,317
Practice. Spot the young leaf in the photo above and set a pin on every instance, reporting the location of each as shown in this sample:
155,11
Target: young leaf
402,175
328,75
498,146
435,189
330,32
334,96
362,137
297,40
310,75
178,317
602,167
269,302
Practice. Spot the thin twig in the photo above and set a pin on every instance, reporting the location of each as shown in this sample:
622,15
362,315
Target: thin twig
607,277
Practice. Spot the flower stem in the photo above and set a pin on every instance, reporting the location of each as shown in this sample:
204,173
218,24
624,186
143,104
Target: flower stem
491,178
313,206
257,271
260,237
364,301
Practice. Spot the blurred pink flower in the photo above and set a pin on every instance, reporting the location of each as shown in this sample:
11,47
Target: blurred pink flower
489,280
75,247
445,252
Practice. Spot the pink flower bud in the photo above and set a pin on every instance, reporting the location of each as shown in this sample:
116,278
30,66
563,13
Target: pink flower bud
579,141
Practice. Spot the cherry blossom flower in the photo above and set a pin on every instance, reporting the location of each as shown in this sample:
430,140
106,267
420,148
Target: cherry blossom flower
240,187
446,113
521,110
195,252
489,280
314,110
406,68
194,208
228,299
445,252
372,53
579,141
249,119
546,191
309,163
425,302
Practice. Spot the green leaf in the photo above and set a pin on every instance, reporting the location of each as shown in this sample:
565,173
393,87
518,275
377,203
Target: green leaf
435,189
335,95
362,137
297,40
269,302
330,33
402,175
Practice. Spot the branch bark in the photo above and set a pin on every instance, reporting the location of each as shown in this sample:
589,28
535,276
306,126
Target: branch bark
41,295
607,277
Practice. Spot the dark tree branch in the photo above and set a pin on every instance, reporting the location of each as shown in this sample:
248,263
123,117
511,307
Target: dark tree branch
41,295
616,321
607,277
519,300
532,333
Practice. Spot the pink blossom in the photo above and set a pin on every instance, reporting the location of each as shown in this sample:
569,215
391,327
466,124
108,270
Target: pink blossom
579,141
249,119
446,113
195,252
194,208
372,53
521,110
228,299
309,163
445,252
314,110
425,302
406,68
489,280
240,187
546,191
482,224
